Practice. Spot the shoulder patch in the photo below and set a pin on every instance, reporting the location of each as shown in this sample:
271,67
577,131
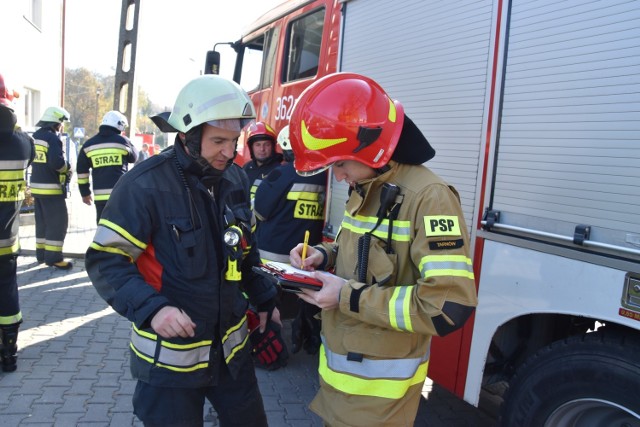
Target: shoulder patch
441,225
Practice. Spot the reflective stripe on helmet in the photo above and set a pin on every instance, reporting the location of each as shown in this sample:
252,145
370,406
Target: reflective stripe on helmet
208,98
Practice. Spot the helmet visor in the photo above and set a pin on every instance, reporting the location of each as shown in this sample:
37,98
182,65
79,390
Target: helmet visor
315,171
230,124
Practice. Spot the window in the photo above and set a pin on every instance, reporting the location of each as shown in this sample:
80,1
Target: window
31,107
303,46
34,12
259,60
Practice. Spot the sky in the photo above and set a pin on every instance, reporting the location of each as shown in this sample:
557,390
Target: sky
173,38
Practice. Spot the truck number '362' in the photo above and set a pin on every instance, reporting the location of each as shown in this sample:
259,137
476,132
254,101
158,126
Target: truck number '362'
285,105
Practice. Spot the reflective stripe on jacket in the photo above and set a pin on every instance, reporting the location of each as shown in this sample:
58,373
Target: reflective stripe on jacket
16,154
49,168
419,283
105,158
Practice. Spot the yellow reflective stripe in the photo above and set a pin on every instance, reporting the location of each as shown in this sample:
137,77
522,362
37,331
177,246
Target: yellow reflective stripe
181,369
376,387
46,189
399,308
236,349
101,197
105,151
141,355
83,180
235,339
172,356
313,143
107,249
111,233
12,175
13,249
360,224
303,195
392,111
11,320
446,265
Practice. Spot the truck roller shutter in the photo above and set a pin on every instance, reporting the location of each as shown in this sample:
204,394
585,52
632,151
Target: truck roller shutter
569,140
433,57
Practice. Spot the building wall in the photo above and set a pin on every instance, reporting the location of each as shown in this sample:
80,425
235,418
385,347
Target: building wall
32,52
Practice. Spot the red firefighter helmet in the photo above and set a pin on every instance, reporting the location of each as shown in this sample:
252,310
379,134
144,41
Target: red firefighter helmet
6,94
260,130
344,116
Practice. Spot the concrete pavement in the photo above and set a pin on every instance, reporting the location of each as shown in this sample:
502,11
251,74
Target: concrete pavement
73,358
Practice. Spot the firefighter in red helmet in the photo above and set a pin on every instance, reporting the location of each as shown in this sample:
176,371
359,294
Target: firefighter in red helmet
16,154
401,258
264,158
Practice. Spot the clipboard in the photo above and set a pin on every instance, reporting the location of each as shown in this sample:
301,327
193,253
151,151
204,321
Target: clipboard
289,278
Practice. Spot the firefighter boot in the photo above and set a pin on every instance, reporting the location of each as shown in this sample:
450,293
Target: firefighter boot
9,347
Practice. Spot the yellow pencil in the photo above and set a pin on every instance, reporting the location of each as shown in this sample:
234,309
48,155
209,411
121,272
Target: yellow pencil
305,245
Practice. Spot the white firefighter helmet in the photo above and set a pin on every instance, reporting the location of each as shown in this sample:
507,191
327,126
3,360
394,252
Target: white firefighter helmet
115,119
210,99
283,139
54,115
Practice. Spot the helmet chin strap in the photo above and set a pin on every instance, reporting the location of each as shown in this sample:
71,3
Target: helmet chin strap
193,143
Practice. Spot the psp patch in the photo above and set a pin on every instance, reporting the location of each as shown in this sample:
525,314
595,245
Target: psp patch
441,225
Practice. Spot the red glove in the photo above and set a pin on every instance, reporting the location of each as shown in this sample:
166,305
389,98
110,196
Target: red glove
269,350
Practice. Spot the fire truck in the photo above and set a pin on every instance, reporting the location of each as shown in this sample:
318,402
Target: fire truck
533,108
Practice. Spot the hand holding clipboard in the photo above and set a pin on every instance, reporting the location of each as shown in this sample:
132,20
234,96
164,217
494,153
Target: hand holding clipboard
291,279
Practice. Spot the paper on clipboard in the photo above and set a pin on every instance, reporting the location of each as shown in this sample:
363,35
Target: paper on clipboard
288,268
289,278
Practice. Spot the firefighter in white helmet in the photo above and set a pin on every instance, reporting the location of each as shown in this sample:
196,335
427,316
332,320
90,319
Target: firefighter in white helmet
104,158
174,252
401,257
49,179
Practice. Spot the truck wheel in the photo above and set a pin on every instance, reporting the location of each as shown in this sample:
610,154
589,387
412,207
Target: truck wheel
589,380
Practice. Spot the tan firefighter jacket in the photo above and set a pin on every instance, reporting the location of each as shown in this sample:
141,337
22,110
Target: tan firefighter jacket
376,345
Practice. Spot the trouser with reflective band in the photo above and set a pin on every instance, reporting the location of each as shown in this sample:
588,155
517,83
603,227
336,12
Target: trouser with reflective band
237,401
10,315
52,221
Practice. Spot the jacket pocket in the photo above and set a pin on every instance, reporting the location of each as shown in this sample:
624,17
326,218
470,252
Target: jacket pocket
372,341
188,244
382,267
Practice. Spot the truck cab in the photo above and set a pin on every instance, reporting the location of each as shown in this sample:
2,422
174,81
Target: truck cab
281,54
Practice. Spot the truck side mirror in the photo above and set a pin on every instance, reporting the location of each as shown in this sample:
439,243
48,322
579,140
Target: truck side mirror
212,63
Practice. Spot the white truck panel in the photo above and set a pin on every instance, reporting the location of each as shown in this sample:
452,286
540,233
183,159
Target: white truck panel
517,281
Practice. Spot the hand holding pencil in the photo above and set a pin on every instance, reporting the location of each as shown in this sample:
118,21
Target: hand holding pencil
305,257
